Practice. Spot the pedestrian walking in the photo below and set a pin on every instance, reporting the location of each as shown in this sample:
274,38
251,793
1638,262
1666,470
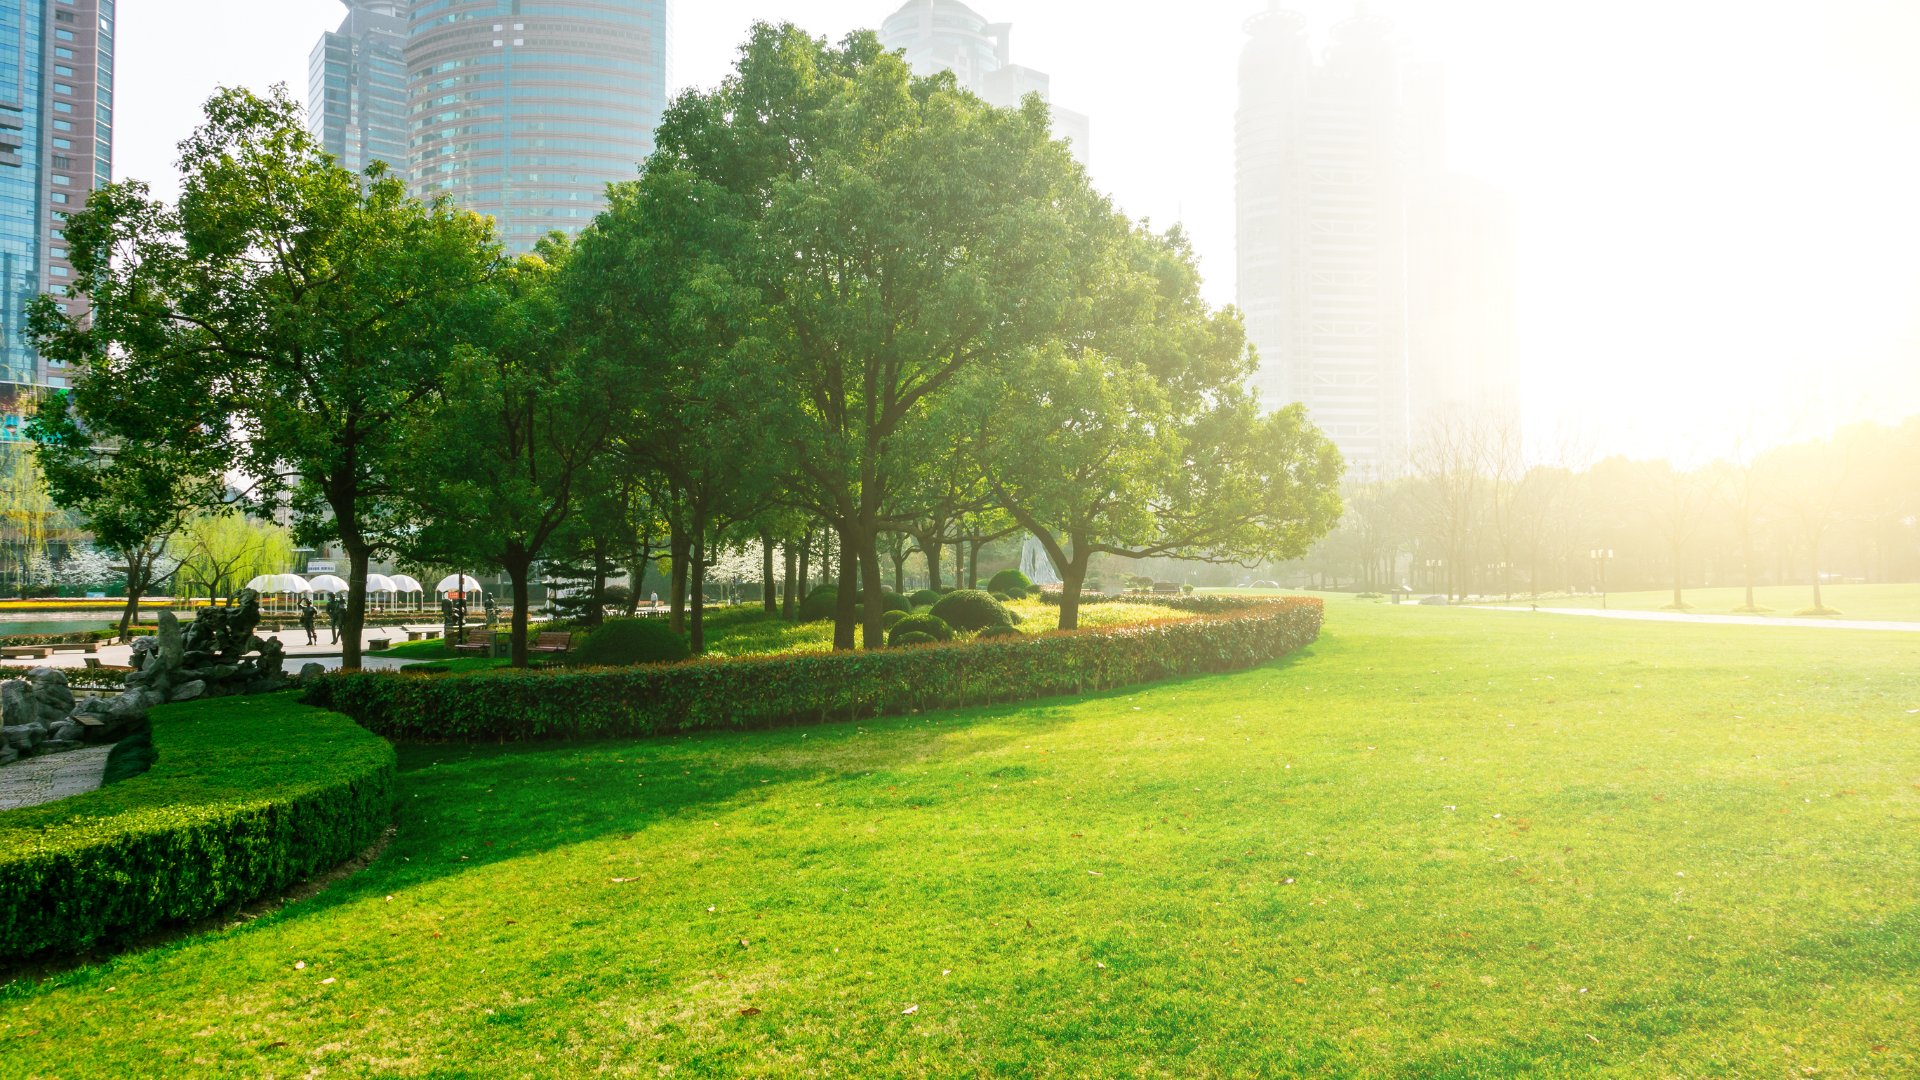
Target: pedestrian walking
308,613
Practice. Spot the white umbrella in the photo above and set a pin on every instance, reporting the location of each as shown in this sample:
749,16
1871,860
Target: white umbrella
405,584
327,583
263,583
381,583
457,583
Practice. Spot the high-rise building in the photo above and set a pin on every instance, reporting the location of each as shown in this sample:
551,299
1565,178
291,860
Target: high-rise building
946,35
525,110
56,146
1377,286
357,86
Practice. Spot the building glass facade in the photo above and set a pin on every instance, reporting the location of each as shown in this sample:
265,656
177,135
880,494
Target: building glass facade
525,110
357,86
56,146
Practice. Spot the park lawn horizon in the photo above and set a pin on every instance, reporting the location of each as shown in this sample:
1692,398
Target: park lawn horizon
1440,842
1868,602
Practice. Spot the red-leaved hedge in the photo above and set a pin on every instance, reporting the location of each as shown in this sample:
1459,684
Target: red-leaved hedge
809,687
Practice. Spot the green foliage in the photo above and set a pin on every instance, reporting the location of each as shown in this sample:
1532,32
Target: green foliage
755,691
923,598
1000,596
971,609
929,625
819,603
631,641
1006,581
891,618
997,632
250,794
130,757
913,637
889,601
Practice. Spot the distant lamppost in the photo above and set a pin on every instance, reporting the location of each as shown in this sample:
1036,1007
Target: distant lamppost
1600,557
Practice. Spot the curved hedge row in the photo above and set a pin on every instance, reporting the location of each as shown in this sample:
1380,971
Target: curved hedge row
759,691
250,795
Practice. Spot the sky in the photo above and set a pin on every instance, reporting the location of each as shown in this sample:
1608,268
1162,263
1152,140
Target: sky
1718,200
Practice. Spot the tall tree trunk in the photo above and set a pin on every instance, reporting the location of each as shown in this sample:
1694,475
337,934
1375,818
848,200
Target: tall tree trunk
1813,564
847,598
787,601
932,552
873,632
1746,558
1679,579
973,564
139,569
597,605
519,567
767,594
678,545
360,558
899,573
697,630
1073,573
806,562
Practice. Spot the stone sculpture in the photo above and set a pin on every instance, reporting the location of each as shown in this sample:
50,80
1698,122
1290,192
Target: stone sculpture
217,656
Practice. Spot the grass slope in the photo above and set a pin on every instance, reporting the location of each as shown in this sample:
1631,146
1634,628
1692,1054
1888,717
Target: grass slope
1874,603
1440,843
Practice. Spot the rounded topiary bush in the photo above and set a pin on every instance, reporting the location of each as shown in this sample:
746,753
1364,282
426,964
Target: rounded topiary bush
819,603
914,637
1000,596
998,632
1006,581
934,628
971,609
889,600
631,641
1015,592
923,598
892,617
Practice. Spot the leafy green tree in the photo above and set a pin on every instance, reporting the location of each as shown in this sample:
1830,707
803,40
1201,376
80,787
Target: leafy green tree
316,312
135,497
524,417
902,233
1138,437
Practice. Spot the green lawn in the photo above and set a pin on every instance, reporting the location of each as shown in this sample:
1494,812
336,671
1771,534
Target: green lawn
1440,843
747,630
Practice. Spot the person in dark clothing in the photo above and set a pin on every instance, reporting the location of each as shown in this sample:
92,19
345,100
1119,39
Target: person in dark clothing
307,616
336,614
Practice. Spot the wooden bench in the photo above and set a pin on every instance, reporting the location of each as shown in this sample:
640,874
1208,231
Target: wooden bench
25,652
77,646
557,642
416,635
478,641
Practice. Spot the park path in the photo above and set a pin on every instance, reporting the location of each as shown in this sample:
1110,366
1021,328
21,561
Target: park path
1721,620
55,776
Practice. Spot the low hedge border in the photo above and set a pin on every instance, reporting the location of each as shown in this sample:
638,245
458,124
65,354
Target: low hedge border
505,705
248,796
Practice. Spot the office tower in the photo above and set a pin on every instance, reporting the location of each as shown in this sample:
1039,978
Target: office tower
56,146
357,86
525,110
946,35
1377,286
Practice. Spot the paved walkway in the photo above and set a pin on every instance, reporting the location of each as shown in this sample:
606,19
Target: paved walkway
299,652
56,776
1724,620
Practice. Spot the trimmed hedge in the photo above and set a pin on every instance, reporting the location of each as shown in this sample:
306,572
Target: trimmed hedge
797,688
971,609
1007,581
249,795
631,641
928,625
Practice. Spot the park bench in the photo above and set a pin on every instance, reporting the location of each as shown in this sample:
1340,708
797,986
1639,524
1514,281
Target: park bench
557,642
76,646
478,641
25,652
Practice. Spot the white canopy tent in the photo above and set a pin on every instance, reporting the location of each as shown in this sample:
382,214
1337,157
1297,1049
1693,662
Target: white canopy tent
327,583
275,587
460,583
404,584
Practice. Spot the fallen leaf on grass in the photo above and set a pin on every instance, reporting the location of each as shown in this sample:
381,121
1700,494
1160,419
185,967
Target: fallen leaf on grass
749,1011
326,980
1301,981
909,1010
1096,873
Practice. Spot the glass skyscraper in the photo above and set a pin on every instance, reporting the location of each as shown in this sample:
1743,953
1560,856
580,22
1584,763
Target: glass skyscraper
525,109
357,86
56,145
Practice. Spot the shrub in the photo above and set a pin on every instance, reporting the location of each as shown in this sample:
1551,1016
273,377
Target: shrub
888,620
998,632
631,641
250,795
1187,589
929,625
1007,581
756,691
1000,596
970,609
923,598
889,600
819,603
914,637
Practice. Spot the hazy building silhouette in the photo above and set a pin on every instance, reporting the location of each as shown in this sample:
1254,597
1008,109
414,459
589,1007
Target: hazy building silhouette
1376,285
527,110
946,35
357,86
56,146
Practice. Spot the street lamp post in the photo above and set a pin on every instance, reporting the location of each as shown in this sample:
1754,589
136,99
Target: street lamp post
1600,557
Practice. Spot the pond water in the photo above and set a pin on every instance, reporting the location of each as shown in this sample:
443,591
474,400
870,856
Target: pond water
11,627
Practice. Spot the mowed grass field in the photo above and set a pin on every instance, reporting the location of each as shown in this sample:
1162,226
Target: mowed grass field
1439,843
1873,603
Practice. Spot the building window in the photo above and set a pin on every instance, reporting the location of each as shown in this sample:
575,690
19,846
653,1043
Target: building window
63,125
62,144
59,196
59,179
62,69
62,88
57,271
64,54
61,162
59,252
63,35
63,106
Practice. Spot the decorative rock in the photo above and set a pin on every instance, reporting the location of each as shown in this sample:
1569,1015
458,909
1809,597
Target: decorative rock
67,729
22,737
141,677
150,698
188,691
17,704
127,706
8,755
54,746
172,646
311,671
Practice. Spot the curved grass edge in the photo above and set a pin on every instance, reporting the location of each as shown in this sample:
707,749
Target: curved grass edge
767,691
250,795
